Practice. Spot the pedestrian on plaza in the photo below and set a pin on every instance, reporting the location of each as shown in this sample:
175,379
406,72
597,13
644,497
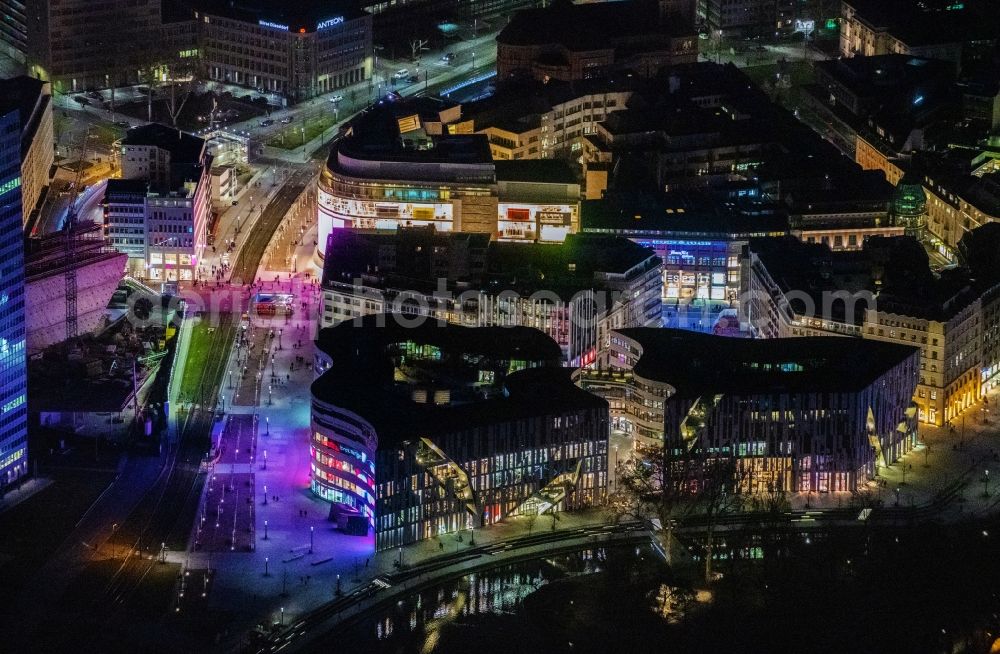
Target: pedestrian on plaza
366,563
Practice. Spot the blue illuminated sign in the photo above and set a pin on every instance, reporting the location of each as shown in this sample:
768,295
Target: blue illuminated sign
330,22
276,26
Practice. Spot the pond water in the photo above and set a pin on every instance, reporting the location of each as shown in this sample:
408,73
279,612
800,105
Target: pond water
909,589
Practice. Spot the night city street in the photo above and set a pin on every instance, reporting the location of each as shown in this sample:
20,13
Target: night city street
523,326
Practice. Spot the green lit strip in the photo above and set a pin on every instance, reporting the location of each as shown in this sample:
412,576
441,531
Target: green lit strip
10,186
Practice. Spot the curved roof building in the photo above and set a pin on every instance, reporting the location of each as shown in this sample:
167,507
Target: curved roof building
429,428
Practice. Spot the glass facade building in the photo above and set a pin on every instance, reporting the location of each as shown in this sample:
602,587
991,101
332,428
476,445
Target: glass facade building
431,429
13,365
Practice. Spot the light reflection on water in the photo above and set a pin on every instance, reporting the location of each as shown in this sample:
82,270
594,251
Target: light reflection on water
418,620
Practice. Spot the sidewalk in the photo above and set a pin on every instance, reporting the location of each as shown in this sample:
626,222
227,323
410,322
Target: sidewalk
22,492
943,464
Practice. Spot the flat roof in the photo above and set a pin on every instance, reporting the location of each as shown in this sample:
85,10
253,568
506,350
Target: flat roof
183,147
906,284
491,266
118,186
675,213
590,26
375,135
294,14
362,378
539,171
696,363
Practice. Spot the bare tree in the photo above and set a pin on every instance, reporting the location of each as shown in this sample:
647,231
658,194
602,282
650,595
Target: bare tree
721,493
655,482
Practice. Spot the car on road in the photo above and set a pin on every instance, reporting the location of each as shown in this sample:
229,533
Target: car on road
235,202
286,120
448,57
267,122
401,73
337,98
124,124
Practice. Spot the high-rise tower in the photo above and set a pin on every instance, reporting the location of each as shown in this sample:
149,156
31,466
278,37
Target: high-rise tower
13,364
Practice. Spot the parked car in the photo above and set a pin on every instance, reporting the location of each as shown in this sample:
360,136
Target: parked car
286,120
124,124
401,73
337,98
267,122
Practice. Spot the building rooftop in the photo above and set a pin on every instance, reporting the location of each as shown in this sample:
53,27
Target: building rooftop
187,153
371,377
296,15
696,364
895,270
423,260
182,146
410,131
928,22
22,92
676,213
589,26
540,171
118,187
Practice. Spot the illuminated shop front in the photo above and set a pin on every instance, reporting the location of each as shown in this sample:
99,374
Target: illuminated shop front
700,247
703,270
535,222
342,465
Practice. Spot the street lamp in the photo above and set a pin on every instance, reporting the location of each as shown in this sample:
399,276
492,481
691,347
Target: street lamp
265,494
265,527
267,426
311,532
897,495
986,483
267,572
265,459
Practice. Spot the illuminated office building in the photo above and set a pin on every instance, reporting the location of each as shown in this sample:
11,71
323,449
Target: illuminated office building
431,429
80,44
13,364
295,48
